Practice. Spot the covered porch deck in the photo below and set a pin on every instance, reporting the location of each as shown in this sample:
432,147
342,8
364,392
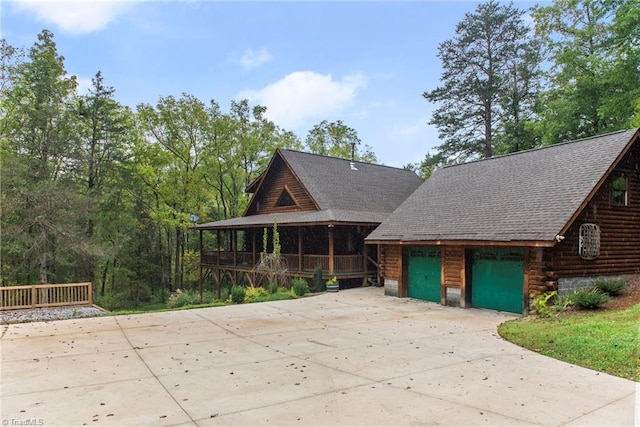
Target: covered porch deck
232,254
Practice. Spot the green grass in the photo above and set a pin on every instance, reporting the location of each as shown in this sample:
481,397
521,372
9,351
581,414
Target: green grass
149,308
604,341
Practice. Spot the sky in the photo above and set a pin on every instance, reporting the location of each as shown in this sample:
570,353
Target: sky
366,63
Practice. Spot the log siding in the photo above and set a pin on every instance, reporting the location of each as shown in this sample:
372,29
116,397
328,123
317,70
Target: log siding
619,230
279,179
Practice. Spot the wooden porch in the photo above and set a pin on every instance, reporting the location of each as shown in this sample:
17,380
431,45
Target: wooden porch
238,253
296,264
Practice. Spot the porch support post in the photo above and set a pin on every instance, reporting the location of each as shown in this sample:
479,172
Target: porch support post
201,269
331,266
379,260
364,263
253,248
218,244
300,256
234,243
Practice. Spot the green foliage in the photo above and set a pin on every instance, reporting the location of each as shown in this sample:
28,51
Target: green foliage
183,298
332,281
611,286
318,283
563,302
238,294
540,304
299,286
276,239
338,140
272,287
590,299
594,80
113,301
254,294
489,84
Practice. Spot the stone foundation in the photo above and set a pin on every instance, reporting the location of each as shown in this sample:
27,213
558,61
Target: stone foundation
391,287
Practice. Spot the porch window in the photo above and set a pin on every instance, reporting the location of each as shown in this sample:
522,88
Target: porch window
589,244
620,186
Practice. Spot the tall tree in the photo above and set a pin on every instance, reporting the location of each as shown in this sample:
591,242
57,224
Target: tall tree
40,163
105,128
338,140
178,127
489,82
594,81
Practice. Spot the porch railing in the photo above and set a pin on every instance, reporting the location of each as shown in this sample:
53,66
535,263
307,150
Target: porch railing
35,296
341,263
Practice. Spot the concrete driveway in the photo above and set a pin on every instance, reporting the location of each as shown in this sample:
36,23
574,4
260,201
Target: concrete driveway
351,358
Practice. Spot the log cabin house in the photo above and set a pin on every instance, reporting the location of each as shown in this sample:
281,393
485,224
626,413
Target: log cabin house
323,206
489,233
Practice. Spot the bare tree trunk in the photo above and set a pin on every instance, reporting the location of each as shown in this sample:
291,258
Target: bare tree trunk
43,267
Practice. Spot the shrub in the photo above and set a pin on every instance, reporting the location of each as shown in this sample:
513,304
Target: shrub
611,286
563,302
272,287
540,304
183,298
237,294
590,299
299,286
318,283
255,294
111,302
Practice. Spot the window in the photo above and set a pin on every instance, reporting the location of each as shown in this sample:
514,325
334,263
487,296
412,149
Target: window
619,194
589,244
285,199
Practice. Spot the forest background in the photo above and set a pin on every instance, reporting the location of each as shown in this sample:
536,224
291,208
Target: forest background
92,190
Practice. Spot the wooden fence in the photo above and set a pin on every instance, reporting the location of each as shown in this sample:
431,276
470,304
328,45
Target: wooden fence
34,296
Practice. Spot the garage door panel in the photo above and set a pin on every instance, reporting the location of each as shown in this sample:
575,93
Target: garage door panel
424,273
497,279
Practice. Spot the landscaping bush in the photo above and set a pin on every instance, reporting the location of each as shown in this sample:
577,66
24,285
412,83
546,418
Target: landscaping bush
183,298
299,286
611,286
563,302
590,299
255,294
237,294
540,304
318,283
272,287
111,302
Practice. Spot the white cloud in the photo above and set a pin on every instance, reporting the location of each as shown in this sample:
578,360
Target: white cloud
253,59
305,95
75,16
84,84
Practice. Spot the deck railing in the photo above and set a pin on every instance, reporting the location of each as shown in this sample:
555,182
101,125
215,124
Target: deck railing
35,296
341,263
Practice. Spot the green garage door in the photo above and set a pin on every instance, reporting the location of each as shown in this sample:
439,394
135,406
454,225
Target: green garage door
497,277
424,273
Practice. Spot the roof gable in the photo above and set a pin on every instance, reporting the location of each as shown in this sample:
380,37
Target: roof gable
277,179
527,196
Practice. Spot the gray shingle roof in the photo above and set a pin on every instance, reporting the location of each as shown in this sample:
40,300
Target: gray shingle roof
366,195
334,185
526,196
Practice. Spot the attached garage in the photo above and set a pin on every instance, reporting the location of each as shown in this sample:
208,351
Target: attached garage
497,279
518,225
424,273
